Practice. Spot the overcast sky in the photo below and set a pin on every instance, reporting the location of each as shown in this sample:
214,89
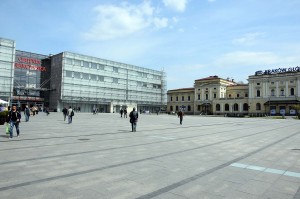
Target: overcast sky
189,39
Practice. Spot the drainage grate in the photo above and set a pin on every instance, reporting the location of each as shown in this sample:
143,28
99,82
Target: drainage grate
83,139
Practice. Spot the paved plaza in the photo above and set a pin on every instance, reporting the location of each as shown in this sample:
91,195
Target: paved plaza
98,157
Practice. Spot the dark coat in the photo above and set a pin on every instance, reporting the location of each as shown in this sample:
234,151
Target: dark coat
133,115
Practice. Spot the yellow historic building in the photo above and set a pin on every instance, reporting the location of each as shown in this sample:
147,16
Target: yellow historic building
269,92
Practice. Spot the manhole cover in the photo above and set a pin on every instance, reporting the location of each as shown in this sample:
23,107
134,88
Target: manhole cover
84,139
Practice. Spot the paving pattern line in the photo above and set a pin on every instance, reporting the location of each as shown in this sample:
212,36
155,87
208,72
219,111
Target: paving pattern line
266,169
202,174
160,191
297,195
130,146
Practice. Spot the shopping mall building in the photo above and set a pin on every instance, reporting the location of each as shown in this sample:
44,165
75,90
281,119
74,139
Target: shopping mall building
80,81
269,92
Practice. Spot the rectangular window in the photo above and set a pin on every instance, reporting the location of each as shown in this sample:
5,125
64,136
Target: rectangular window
69,73
93,77
215,95
115,80
182,98
171,99
68,61
199,108
77,75
101,78
206,96
94,65
86,64
272,83
189,98
101,67
176,98
77,62
115,69
85,76
198,97
144,84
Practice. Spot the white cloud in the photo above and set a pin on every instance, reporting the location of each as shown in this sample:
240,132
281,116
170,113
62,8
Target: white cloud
176,5
248,39
118,21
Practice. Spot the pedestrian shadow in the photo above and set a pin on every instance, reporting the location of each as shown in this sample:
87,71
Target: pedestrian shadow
4,136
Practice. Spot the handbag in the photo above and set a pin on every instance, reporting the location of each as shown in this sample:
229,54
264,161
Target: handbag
7,130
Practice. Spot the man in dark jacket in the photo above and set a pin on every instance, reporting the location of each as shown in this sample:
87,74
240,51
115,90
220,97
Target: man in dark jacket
27,113
65,112
133,115
14,119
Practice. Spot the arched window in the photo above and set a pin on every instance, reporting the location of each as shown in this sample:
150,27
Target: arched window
189,108
292,91
218,107
226,107
245,107
176,108
235,107
258,93
272,92
258,107
171,108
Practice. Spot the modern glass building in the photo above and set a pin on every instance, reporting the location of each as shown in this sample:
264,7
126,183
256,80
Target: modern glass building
7,58
31,72
87,82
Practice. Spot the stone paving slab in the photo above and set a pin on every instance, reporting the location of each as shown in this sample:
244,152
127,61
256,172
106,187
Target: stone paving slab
98,157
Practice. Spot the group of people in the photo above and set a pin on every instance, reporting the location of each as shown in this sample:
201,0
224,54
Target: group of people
123,112
68,112
14,118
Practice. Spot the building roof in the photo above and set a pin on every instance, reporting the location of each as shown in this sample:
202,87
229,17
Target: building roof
208,78
183,89
238,85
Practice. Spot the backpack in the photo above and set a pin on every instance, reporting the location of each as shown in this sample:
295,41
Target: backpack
72,113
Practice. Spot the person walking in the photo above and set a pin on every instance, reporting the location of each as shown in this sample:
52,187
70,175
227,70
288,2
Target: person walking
121,112
133,115
180,115
125,113
70,114
14,119
65,112
27,113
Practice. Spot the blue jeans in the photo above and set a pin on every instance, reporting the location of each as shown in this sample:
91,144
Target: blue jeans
12,124
69,119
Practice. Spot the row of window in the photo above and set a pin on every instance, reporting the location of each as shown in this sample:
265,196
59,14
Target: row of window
281,82
282,93
235,107
93,77
97,66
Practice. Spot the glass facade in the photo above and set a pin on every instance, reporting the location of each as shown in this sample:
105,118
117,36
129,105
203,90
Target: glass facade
7,57
29,78
87,82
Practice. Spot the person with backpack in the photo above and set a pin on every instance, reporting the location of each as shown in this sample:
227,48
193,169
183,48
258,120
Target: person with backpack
133,115
14,119
125,113
27,113
70,114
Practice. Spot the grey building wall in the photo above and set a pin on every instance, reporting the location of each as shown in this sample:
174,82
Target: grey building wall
89,82
7,58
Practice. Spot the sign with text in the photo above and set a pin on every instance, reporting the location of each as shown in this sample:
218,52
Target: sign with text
278,71
29,64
